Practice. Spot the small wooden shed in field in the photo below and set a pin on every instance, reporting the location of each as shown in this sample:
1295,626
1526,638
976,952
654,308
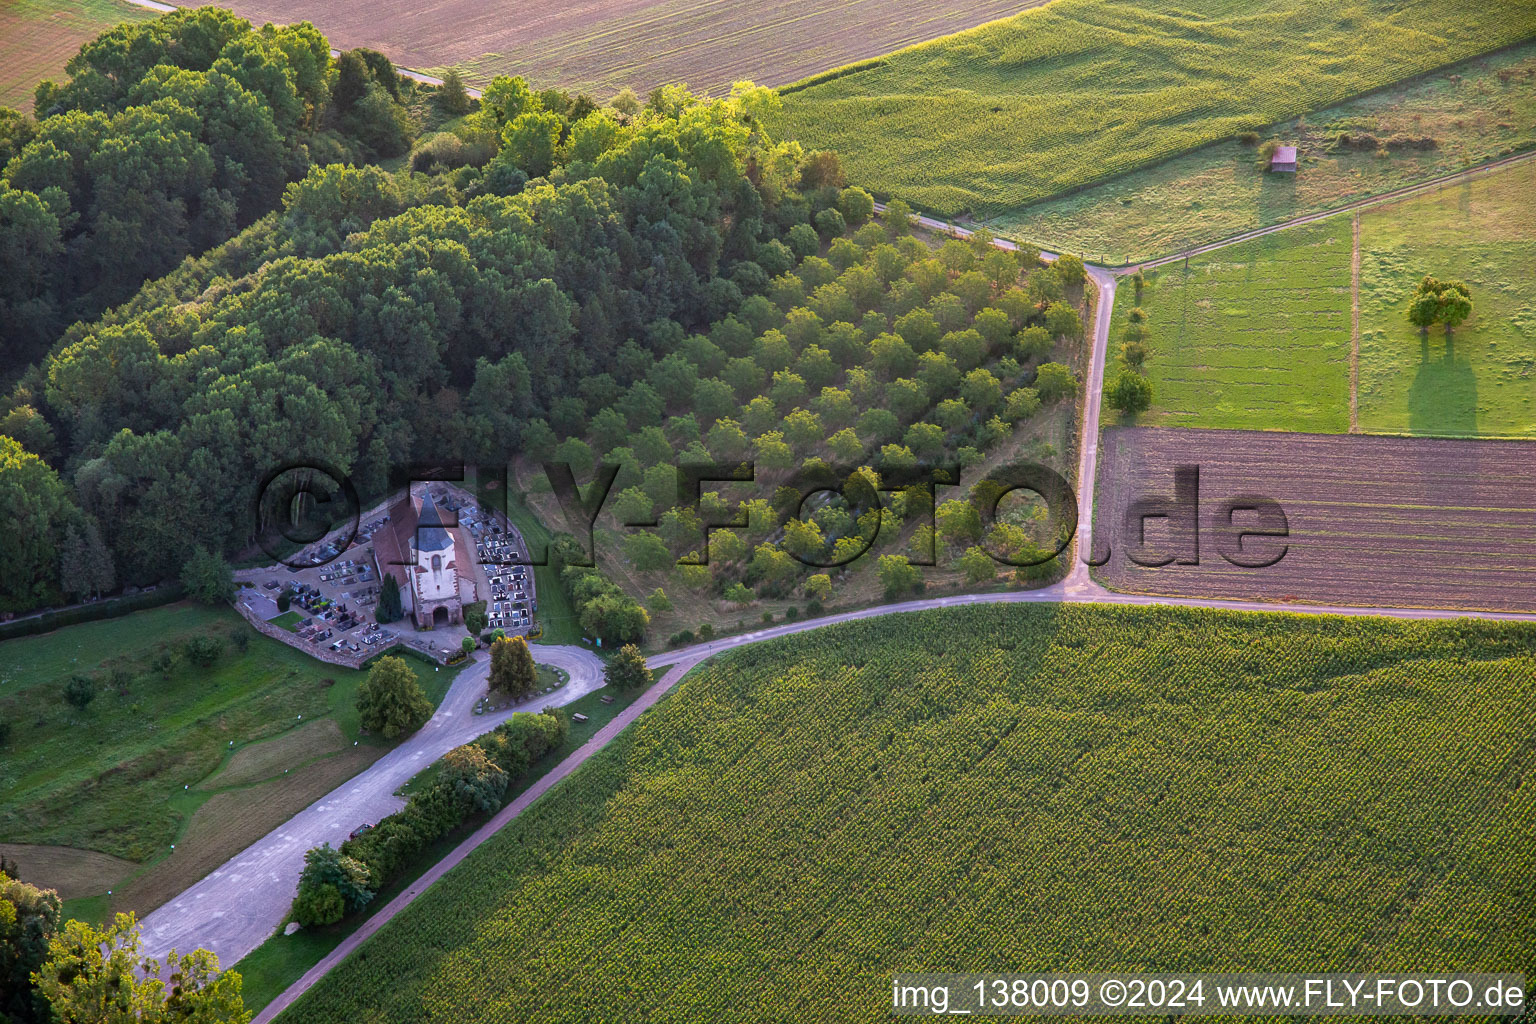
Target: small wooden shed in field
1284,159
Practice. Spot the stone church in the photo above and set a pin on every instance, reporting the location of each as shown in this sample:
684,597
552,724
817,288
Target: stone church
424,555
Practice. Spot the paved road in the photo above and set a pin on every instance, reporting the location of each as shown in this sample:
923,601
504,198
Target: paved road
1088,440
681,665
236,908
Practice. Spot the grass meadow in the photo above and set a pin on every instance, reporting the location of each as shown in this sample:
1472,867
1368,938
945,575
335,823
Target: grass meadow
1079,91
41,35
168,751
1475,111
1005,788
1254,336
1258,336
1481,381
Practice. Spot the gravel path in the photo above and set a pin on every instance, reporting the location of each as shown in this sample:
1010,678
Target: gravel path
236,908
600,739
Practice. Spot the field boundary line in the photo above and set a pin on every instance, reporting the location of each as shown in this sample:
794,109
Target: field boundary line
1404,192
500,820
1354,327
680,663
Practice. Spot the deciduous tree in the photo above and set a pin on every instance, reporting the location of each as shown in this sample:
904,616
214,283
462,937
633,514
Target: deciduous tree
512,669
100,976
628,670
1129,392
390,701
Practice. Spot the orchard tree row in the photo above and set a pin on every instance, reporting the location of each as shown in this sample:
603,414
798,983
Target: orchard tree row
651,283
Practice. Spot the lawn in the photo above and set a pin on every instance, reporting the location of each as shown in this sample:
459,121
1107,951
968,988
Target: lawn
1481,382
1475,111
41,35
288,620
1257,336
1079,91
208,758
1253,336
282,960
1023,789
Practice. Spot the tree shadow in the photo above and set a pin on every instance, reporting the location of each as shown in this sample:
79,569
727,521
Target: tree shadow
1442,400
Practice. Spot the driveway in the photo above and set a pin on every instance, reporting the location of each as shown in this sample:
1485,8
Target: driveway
237,907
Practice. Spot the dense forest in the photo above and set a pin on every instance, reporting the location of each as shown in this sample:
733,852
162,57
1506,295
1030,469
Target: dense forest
168,137
540,276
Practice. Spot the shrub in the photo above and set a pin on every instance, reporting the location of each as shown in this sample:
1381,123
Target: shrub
203,650
475,618
79,692
441,152
318,905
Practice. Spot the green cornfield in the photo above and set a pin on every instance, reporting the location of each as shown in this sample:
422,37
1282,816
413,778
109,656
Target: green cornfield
1025,788
1079,91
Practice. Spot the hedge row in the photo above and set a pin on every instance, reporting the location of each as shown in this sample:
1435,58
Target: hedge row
165,593
472,780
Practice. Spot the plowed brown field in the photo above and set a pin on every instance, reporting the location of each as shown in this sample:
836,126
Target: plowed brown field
1372,520
601,47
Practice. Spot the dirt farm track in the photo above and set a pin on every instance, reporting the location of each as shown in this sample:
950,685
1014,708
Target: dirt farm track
601,47
1372,520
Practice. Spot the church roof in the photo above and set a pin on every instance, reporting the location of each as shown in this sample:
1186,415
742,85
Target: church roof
430,535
